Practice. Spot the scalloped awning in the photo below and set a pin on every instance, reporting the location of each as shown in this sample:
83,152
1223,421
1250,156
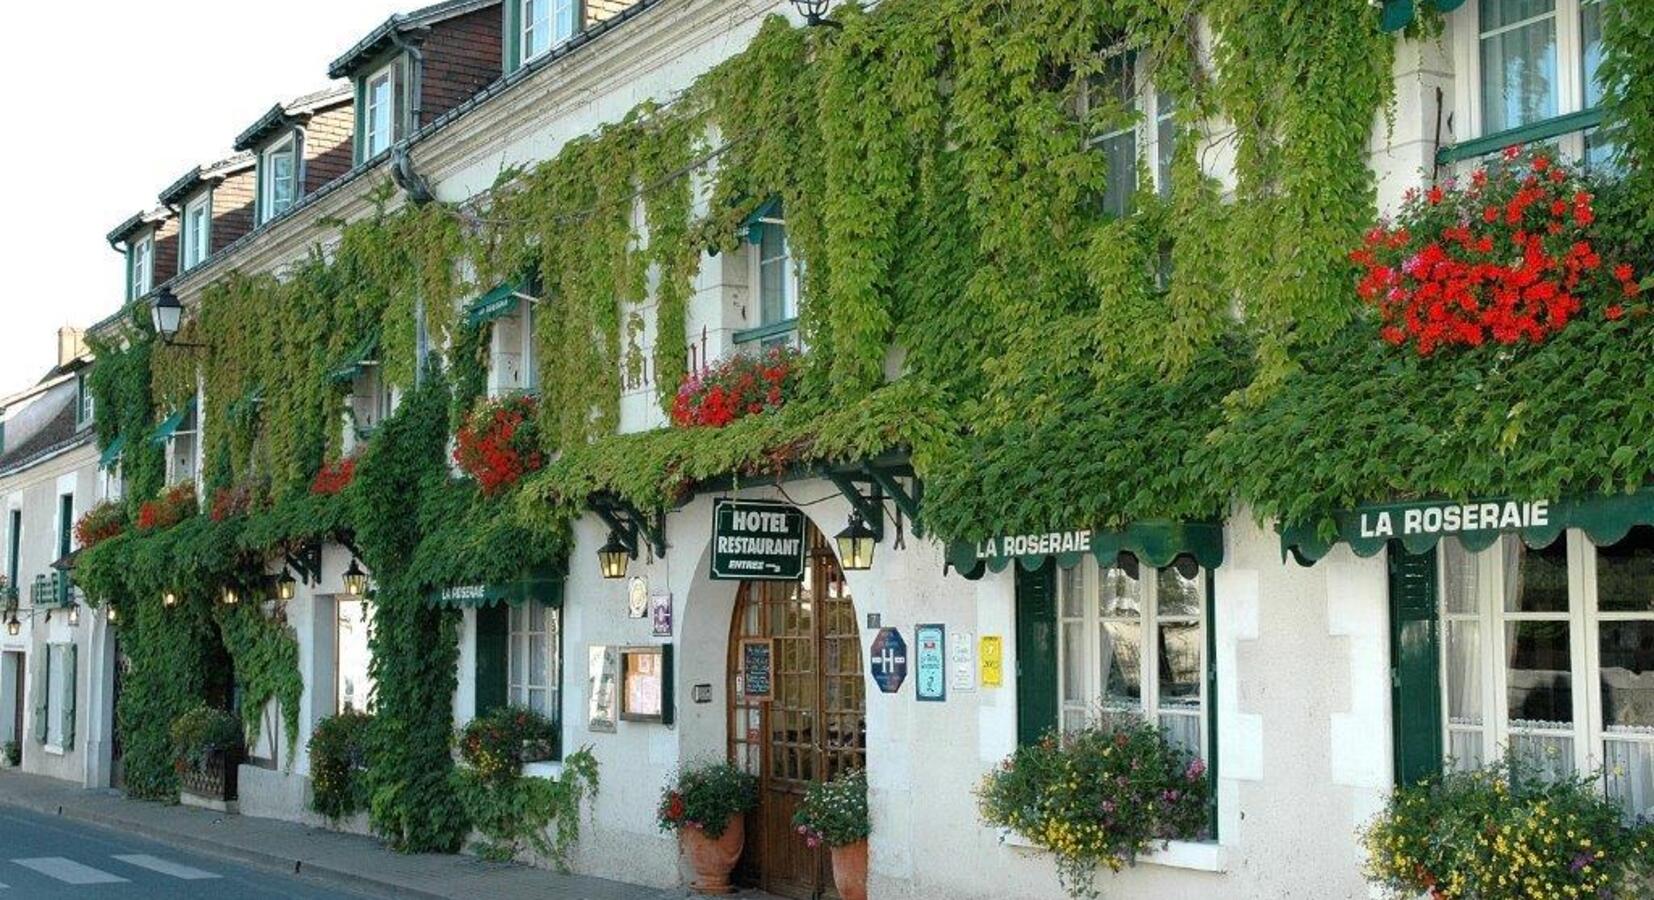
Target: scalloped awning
1605,519
543,585
1155,543
1398,14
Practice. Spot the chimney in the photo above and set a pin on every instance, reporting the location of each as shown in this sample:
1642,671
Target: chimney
71,345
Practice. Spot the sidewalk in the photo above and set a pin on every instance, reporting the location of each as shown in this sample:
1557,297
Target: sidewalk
345,861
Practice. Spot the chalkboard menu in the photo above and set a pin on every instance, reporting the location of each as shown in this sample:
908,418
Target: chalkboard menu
757,668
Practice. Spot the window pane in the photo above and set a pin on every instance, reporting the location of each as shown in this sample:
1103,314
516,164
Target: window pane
1539,675
517,652
1460,579
1183,731
1073,662
1180,652
1629,770
1179,596
537,659
1549,756
1464,672
1120,153
1073,591
1121,594
772,274
1590,28
1122,654
1165,140
1464,750
1628,676
1518,65
1536,580
566,24
537,700
1625,573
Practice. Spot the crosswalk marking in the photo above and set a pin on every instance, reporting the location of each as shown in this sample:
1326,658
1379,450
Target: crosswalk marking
157,864
68,871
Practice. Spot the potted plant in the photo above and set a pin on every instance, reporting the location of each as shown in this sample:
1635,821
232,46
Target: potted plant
706,805
742,385
338,759
499,442
207,750
835,813
100,523
14,754
497,743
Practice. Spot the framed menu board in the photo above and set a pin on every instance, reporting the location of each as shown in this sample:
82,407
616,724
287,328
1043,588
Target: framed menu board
646,684
757,668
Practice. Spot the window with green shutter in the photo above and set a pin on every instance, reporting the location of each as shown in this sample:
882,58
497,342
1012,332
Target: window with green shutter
1036,649
1415,648
67,724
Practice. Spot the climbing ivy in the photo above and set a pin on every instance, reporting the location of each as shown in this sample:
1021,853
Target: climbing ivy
266,657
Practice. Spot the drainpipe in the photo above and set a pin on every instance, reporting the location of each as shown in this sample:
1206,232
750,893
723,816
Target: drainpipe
410,181
416,76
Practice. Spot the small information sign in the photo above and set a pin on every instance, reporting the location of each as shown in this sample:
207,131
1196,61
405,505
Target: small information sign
930,646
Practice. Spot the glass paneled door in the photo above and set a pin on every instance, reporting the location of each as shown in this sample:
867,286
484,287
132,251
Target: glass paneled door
815,725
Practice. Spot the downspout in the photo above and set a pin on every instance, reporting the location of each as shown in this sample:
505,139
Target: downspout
418,191
416,77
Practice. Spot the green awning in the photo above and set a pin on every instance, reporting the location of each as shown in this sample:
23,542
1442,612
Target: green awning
1155,543
1605,519
111,456
244,408
497,302
1398,14
171,423
752,226
359,357
544,586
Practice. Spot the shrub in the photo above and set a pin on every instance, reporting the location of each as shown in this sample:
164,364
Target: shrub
1500,833
835,812
499,442
1099,797
338,754
741,385
517,812
706,797
174,505
494,745
201,732
100,523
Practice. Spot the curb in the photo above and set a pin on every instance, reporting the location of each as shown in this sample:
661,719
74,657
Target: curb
271,862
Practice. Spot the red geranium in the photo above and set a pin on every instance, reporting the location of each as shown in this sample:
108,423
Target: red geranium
741,385
174,505
100,523
230,502
499,442
1511,258
334,477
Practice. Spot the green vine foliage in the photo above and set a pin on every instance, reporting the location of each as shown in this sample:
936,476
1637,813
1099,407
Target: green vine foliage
120,384
266,657
542,814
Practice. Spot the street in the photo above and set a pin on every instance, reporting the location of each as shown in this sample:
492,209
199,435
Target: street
49,856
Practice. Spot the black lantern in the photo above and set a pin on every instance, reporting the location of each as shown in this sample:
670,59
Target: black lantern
286,586
166,313
613,557
13,627
855,545
814,12
74,616
356,580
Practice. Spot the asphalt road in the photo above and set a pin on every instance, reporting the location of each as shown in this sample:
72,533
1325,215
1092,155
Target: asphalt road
51,857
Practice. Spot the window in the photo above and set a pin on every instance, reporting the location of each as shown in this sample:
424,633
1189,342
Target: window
1549,653
534,658
379,119
181,447
546,23
140,257
197,224
370,400
14,547
55,697
1536,60
1134,642
353,622
278,179
84,404
1121,140
513,365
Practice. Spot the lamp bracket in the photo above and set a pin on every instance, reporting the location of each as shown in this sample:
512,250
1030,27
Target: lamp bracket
908,503
629,524
306,561
869,507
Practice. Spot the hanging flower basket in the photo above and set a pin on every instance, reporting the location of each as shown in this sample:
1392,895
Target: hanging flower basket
739,386
100,523
499,442
167,510
1509,256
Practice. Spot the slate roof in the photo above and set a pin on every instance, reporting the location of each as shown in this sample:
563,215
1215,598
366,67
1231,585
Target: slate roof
380,38
293,112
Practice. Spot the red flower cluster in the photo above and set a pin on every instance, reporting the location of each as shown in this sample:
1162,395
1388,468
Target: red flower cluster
100,523
334,477
739,386
500,442
230,502
175,505
1510,258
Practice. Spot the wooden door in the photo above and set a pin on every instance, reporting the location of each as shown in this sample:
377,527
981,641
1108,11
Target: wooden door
814,727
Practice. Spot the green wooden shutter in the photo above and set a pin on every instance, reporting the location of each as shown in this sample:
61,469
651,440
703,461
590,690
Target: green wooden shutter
69,678
1036,648
513,36
493,636
1415,681
42,686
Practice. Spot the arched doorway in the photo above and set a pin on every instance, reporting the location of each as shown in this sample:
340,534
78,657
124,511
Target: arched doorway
815,725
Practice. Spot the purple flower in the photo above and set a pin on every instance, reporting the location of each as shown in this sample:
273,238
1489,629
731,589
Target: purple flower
1197,768
1581,860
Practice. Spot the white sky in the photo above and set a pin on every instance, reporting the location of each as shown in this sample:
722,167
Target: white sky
98,125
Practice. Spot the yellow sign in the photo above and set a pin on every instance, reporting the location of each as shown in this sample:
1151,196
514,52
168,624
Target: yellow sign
993,660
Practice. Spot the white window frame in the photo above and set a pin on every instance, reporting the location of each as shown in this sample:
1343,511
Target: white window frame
374,143
176,463
1584,653
792,277
196,233
560,25
519,638
142,266
1153,109
1570,69
1091,700
287,146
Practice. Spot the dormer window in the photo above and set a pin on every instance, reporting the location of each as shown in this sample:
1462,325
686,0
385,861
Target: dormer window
379,117
546,23
140,265
197,232
278,179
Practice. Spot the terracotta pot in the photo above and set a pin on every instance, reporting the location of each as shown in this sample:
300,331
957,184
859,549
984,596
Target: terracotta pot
850,870
714,858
